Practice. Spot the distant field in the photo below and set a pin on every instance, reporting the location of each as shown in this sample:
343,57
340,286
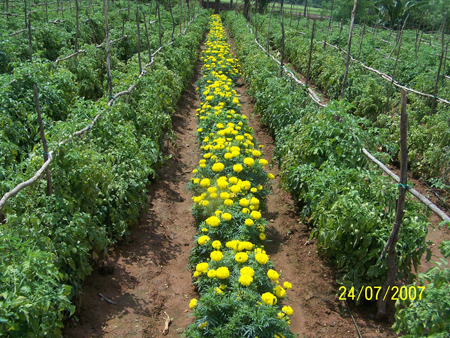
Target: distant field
287,7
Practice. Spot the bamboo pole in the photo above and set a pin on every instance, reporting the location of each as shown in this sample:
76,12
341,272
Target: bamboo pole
147,37
173,21
348,49
268,27
393,238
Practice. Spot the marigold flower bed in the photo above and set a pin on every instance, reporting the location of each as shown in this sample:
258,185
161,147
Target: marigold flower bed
240,291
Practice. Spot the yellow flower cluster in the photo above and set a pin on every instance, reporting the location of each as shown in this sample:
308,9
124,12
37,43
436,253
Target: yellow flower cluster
228,186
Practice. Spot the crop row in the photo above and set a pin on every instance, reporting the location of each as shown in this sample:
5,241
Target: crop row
240,291
428,137
348,204
47,242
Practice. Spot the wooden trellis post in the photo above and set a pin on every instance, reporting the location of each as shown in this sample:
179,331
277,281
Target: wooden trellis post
108,50
393,238
159,21
38,109
282,38
139,36
310,51
348,49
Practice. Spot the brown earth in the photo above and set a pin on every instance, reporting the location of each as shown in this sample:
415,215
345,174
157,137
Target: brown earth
146,276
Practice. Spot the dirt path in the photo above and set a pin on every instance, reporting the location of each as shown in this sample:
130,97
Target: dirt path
148,275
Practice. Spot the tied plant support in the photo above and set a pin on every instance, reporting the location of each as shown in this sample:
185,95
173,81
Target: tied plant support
241,293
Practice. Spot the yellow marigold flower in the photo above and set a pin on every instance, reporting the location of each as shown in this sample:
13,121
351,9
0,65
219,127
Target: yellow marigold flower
192,303
245,211
254,201
222,184
203,240
270,175
263,162
217,167
228,202
202,165
287,285
243,202
216,256
194,171
253,190
248,161
279,291
241,257
224,195
213,221
245,280
269,298
201,267
226,216
204,230
280,315
261,258
211,273
222,286
210,97
212,190
199,130
256,153
228,156
247,271
255,215
205,182
246,185
233,180
213,195
235,188
217,212
249,222
247,245
287,310
260,187
197,181
207,155
216,245
279,335
262,236
219,291
219,125
273,275
223,272
197,273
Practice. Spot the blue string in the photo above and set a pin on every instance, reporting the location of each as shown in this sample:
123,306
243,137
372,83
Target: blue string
403,186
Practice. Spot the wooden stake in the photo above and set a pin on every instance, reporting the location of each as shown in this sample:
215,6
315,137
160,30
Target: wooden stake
348,49
139,36
108,50
148,39
38,109
433,105
361,41
268,28
395,67
393,238
340,32
92,27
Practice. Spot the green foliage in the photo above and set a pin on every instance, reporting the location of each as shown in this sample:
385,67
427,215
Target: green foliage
428,316
349,205
100,179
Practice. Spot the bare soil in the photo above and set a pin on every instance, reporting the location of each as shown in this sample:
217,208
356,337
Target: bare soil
146,275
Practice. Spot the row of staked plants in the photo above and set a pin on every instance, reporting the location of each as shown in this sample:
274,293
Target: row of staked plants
428,137
47,243
241,293
348,205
